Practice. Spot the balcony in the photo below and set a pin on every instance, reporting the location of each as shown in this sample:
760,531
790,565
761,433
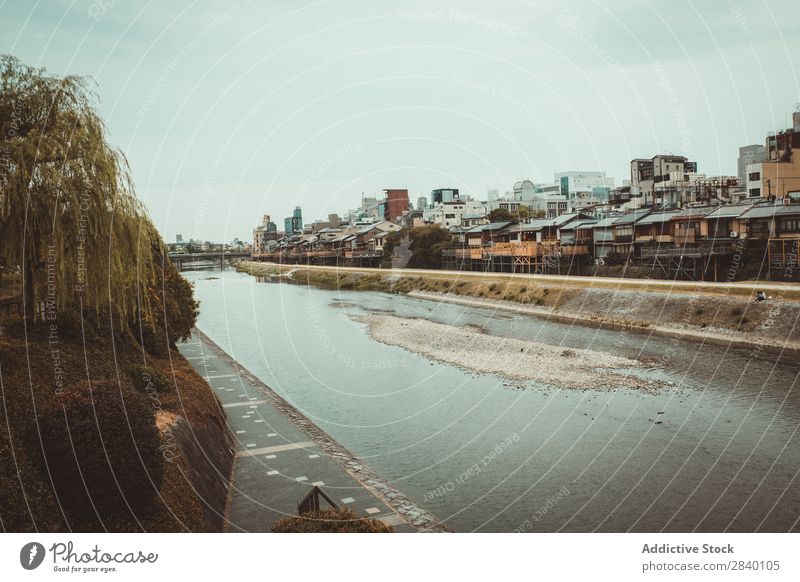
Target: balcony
685,251
475,254
574,250
684,237
523,249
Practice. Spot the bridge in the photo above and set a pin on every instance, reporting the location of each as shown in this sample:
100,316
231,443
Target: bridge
181,259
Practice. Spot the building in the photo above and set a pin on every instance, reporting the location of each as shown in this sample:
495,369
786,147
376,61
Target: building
584,184
422,203
441,195
555,205
453,214
511,206
263,234
396,204
294,224
750,154
778,176
660,181
524,191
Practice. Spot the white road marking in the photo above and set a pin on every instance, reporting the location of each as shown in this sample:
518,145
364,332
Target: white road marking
249,403
276,449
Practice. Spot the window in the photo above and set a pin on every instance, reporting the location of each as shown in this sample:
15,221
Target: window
755,192
790,225
754,176
759,228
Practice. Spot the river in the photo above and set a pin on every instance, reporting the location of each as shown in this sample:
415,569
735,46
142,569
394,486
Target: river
718,449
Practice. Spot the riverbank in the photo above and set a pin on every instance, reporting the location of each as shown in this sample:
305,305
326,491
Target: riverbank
719,314
157,426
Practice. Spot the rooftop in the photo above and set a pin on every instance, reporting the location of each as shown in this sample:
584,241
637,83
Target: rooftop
490,226
769,210
658,217
631,217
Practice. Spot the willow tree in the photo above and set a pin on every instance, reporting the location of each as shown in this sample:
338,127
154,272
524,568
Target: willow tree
69,218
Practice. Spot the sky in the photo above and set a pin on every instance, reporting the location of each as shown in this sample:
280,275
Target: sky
229,110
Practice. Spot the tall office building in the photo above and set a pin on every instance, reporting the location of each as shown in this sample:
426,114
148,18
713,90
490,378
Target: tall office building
442,195
294,224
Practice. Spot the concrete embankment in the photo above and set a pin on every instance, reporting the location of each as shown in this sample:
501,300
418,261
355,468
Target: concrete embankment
719,313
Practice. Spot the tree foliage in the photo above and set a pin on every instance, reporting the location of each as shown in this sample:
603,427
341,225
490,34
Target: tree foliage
69,218
427,244
500,215
330,521
392,240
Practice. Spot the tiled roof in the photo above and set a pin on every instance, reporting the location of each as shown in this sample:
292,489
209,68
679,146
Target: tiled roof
606,222
694,212
767,211
579,224
658,217
730,210
490,226
631,217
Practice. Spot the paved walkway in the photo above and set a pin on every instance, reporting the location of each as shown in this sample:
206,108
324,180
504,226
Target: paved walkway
277,463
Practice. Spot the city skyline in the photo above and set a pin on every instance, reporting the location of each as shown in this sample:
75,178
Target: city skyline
312,107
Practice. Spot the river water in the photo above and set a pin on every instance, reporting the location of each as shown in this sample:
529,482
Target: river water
718,450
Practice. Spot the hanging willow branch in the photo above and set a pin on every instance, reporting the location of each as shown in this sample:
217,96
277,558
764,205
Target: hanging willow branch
69,218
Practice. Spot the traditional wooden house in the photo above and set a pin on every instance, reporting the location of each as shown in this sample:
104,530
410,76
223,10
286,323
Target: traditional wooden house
487,234
576,237
603,237
690,225
779,225
377,242
622,230
654,229
681,247
723,224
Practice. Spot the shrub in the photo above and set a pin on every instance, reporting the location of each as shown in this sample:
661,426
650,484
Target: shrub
102,449
145,376
154,341
330,521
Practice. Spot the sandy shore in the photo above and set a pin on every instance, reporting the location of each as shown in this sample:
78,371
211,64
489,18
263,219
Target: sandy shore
509,358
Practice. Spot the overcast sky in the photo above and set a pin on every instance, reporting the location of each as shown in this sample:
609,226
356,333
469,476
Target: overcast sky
229,110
